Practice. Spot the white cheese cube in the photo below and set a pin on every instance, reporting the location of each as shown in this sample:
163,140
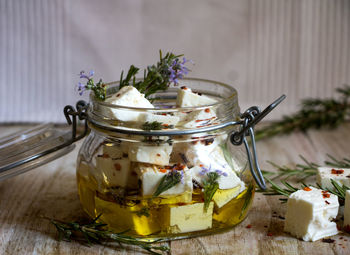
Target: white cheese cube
347,212
325,174
127,96
152,154
223,196
188,218
115,172
151,176
309,214
199,118
227,180
115,151
166,120
186,98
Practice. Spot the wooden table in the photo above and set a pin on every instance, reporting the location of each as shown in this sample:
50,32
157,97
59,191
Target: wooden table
50,190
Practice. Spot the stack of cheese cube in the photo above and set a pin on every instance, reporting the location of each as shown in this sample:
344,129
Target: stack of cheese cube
127,163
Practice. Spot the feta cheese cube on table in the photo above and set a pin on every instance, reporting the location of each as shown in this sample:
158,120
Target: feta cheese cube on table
114,172
152,154
186,98
188,218
347,212
151,176
127,96
325,174
309,214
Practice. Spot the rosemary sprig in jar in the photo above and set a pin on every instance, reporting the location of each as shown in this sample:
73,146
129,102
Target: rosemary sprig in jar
314,113
94,232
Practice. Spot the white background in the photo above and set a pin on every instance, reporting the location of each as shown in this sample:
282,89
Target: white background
262,47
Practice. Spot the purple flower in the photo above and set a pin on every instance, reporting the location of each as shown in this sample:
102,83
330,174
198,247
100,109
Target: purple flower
182,176
177,70
219,172
86,76
205,170
81,88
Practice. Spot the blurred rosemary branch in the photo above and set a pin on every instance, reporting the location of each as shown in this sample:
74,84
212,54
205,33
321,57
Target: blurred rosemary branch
94,232
314,113
305,170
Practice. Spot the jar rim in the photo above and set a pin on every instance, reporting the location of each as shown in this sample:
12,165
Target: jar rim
222,101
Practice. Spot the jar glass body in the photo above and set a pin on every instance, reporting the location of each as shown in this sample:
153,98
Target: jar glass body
122,174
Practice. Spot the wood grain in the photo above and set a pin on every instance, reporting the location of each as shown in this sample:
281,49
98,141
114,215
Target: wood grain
51,191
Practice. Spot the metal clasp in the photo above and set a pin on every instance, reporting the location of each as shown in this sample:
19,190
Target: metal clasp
249,119
71,116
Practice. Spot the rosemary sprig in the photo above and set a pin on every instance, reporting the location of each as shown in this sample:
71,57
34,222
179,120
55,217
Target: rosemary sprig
337,190
168,181
303,171
275,189
343,163
154,125
314,113
94,232
99,88
156,77
210,187
247,199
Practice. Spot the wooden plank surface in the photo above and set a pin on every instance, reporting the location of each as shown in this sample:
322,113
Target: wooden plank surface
50,191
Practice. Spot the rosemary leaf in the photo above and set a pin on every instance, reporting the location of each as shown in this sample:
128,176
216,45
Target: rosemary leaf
168,181
154,125
210,187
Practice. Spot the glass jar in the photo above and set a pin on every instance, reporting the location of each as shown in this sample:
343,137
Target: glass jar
124,166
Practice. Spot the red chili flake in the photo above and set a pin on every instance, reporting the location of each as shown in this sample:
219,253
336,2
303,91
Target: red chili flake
168,167
307,189
194,142
184,87
328,240
265,226
207,110
162,170
133,173
335,171
179,167
125,155
201,165
341,237
117,166
325,194
327,202
181,203
164,114
348,176
249,226
269,234
117,95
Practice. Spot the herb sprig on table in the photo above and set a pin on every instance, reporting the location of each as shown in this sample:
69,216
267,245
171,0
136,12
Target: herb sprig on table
288,189
305,170
94,232
314,113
